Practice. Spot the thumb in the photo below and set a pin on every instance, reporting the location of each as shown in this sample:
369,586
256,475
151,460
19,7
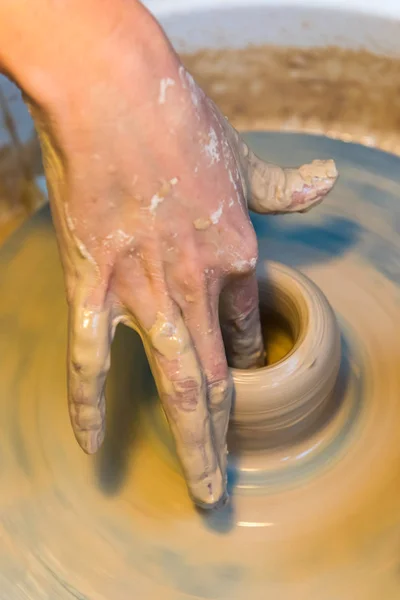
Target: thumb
273,189
90,337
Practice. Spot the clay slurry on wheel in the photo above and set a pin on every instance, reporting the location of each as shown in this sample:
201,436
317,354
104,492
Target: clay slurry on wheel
280,404
330,532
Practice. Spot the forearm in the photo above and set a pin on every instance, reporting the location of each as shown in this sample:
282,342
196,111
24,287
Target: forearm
46,45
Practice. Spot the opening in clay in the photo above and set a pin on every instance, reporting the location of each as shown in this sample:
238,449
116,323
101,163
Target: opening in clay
283,321
279,336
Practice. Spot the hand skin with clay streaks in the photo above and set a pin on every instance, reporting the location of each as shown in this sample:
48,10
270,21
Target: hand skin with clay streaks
150,189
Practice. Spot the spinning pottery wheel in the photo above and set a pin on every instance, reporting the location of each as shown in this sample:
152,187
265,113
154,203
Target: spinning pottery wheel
314,518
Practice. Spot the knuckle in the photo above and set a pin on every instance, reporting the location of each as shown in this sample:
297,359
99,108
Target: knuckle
194,438
169,342
247,318
248,253
220,392
188,271
87,411
250,245
97,368
184,396
193,275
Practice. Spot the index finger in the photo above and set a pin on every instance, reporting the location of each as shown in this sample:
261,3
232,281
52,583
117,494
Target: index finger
183,394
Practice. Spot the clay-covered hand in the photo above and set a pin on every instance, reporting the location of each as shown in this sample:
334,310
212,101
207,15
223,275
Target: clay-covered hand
150,190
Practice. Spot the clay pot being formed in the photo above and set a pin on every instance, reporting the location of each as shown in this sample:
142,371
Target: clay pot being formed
283,401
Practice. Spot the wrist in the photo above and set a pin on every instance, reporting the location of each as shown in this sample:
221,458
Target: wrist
54,49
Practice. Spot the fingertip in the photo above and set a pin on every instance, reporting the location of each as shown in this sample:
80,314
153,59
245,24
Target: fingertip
221,503
276,191
89,441
308,185
88,425
210,493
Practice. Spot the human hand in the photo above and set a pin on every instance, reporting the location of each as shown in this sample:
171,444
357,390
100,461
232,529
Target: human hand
150,189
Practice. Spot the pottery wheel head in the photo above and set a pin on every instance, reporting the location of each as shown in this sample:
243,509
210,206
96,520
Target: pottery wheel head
316,519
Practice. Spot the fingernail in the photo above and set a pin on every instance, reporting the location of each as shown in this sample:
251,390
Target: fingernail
210,493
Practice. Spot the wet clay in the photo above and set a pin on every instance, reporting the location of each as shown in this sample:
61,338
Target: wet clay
289,190
316,520
91,330
280,403
188,412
